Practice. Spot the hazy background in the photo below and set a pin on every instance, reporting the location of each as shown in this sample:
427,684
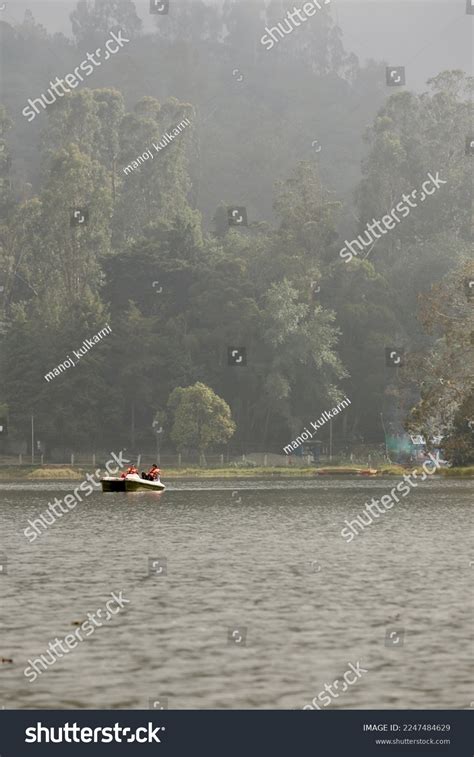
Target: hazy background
430,36
308,138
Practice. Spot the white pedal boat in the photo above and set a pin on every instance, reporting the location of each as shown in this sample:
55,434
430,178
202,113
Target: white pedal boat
131,483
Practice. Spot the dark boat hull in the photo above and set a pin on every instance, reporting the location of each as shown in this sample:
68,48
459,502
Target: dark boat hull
113,485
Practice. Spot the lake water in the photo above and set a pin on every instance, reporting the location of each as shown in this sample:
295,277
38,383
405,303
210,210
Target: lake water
262,604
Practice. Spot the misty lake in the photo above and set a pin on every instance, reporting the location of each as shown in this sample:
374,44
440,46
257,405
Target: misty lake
259,601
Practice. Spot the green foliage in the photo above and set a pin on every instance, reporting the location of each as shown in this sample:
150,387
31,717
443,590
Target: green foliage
178,295
200,418
458,446
444,371
93,19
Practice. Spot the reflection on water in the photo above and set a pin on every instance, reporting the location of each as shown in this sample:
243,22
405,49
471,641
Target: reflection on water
261,601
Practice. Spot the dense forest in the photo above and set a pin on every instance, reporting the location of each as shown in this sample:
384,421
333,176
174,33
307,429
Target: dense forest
230,235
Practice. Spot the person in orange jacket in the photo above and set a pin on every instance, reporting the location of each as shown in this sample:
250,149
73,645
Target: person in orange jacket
131,469
154,473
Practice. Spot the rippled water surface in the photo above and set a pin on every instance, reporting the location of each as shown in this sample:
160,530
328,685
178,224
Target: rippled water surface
262,604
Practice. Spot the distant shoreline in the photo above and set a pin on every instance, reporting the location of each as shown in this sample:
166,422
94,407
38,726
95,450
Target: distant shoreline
66,473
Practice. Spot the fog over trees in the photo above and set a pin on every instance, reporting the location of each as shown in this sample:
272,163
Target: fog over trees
314,143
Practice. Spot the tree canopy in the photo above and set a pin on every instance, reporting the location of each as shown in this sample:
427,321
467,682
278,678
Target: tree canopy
156,257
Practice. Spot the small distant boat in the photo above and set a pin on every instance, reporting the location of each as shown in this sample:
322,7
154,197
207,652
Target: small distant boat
132,483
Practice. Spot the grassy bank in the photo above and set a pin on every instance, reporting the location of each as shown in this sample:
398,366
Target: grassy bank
66,473
467,471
